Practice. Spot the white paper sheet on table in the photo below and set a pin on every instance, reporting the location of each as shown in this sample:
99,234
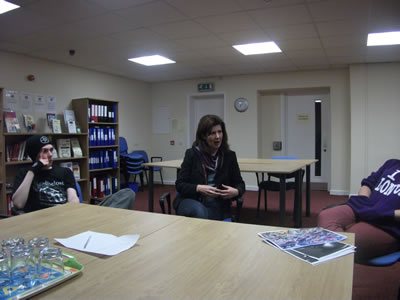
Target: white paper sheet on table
99,243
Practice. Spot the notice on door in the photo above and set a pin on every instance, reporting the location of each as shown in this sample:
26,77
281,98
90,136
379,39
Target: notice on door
302,118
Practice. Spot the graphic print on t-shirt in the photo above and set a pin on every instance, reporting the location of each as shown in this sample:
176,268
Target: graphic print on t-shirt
51,193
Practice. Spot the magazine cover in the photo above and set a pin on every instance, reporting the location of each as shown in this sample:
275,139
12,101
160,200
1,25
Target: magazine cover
295,238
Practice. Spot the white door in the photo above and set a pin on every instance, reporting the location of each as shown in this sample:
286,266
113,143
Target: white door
199,106
304,133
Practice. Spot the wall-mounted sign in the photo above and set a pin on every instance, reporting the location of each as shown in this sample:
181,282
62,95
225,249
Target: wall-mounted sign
302,118
206,87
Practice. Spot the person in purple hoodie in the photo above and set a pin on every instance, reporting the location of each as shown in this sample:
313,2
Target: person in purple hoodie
373,215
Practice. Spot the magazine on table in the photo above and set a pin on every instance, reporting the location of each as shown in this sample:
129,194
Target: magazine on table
313,245
316,254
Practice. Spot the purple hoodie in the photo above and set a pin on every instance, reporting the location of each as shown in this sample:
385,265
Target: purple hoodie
379,208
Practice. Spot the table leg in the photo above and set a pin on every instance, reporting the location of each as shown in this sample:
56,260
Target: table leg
150,184
308,175
298,201
282,197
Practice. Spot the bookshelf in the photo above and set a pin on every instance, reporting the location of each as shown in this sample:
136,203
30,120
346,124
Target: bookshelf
3,198
99,119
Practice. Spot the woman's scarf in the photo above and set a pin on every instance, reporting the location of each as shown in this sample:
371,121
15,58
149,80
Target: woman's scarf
208,162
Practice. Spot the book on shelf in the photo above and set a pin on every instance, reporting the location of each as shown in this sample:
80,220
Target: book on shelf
50,117
15,152
29,123
67,164
76,170
71,125
76,148
313,245
56,126
11,122
64,148
74,167
69,115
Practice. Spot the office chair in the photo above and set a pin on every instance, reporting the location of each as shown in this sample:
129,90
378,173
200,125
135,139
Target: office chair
274,186
131,163
152,159
380,261
79,191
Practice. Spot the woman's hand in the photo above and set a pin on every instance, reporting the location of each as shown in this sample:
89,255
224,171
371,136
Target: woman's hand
228,192
208,190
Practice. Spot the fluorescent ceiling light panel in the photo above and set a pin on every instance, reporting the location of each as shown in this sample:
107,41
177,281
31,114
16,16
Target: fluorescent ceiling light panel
152,60
257,48
383,38
6,6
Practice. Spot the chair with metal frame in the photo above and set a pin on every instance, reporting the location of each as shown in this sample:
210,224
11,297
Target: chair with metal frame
274,185
131,163
380,261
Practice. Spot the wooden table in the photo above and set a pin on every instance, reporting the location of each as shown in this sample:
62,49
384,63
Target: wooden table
181,258
257,165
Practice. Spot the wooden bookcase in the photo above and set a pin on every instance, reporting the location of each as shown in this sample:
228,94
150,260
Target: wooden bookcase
88,124
3,198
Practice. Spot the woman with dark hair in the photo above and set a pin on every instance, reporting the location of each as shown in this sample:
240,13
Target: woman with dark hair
209,176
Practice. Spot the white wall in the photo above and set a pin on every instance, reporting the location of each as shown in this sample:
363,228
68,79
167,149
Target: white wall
243,127
270,128
375,122
67,82
374,109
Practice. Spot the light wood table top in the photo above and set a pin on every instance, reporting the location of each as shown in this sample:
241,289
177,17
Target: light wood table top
70,219
262,165
181,258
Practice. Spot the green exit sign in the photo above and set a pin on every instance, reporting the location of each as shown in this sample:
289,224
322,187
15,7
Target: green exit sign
205,87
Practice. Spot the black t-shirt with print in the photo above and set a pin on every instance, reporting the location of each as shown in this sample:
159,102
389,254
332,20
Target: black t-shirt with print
49,187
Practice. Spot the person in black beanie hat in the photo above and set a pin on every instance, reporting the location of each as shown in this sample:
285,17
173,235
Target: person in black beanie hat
33,146
44,185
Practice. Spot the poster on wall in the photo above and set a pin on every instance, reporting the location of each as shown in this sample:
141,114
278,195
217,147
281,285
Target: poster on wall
25,100
51,104
40,103
10,100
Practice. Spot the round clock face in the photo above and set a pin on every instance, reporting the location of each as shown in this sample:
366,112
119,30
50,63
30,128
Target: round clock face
241,104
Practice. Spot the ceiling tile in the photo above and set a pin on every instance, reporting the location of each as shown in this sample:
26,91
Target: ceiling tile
66,10
343,27
228,23
384,16
243,37
196,8
281,16
292,31
149,14
299,44
118,4
256,4
180,30
330,10
202,42
308,53
345,40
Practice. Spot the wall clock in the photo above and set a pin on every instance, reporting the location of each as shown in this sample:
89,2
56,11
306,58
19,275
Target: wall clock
241,104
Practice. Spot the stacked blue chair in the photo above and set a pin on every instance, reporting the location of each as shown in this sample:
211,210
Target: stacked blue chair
131,163
152,159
